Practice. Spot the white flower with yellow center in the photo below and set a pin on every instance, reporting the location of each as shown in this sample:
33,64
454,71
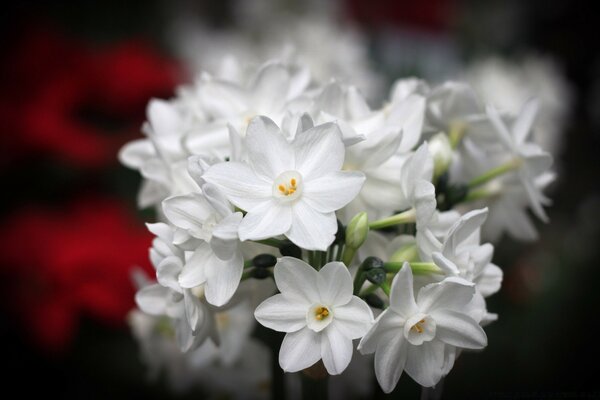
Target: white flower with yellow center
414,336
289,188
318,312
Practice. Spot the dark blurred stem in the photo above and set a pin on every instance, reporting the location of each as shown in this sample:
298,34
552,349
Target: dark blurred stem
433,393
314,389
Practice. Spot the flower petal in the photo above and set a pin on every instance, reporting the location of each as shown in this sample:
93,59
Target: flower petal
224,241
402,298
310,229
167,272
135,153
490,280
223,278
239,183
458,329
336,350
387,324
268,151
296,279
152,299
188,212
271,218
163,117
319,151
194,270
425,363
333,191
335,284
390,359
281,313
354,318
299,350
452,293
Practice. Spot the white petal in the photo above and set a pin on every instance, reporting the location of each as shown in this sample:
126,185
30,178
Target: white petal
268,151
281,313
402,298
446,265
458,329
152,299
151,193
239,183
224,241
167,272
332,191
194,312
269,219
388,324
336,350
163,117
425,363
462,230
522,125
270,84
424,202
296,279
335,284
354,318
319,151
451,293
310,229
299,350
194,270
502,131
490,280
188,212
135,153
217,199
356,103
409,114
223,278
390,359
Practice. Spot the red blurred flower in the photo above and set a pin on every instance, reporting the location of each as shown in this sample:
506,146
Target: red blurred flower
60,265
63,99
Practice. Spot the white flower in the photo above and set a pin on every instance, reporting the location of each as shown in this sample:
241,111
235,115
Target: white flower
462,255
413,336
217,260
534,161
287,188
318,312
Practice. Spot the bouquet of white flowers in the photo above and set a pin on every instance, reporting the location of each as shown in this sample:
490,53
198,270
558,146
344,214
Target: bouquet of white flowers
352,212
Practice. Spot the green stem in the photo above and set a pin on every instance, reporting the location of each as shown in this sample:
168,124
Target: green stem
348,255
359,281
369,290
247,274
495,172
406,217
386,288
247,263
418,268
339,252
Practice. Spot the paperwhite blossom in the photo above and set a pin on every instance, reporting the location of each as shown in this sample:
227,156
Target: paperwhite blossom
318,312
412,335
287,188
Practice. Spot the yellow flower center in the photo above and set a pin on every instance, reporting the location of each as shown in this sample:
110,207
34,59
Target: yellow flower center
321,313
418,326
288,188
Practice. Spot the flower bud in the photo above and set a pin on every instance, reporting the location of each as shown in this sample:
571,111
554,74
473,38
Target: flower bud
374,301
441,151
374,270
290,250
357,230
261,273
264,261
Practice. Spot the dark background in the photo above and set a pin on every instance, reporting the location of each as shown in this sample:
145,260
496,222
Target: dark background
545,344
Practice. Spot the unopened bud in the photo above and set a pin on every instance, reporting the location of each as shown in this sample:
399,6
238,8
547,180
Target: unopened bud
357,230
264,261
441,150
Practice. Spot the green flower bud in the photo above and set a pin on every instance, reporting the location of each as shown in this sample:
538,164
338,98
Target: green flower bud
261,273
374,301
290,250
357,230
264,261
372,263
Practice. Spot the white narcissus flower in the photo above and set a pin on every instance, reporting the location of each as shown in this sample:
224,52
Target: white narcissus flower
318,312
290,189
414,335
217,260
534,161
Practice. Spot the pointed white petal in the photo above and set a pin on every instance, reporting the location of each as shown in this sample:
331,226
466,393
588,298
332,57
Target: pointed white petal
167,272
354,319
462,230
188,212
402,298
281,313
335,284
194,270
310,229
386,325
336,350
390,359
269,219
239,183
299,350
458,329
451,294
332,191
524,122
225,241
296,279
223,278
268,151
425,363
135,153
319,151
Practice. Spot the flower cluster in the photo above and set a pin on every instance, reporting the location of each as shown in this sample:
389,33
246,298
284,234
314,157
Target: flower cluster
352,211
